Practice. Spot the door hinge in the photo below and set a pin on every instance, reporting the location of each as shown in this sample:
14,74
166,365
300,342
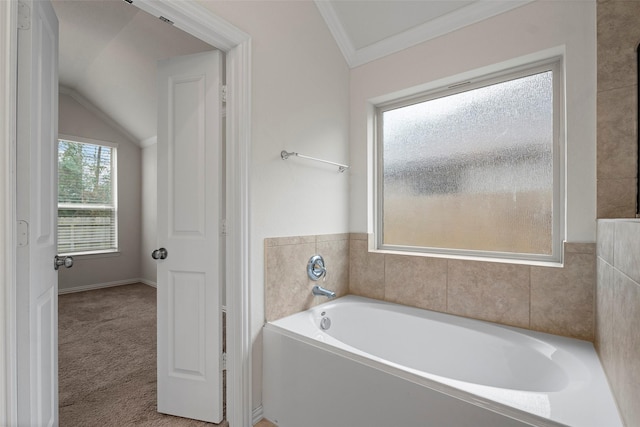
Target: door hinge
224,361
223,227
223,93
24,16
23,233
166,20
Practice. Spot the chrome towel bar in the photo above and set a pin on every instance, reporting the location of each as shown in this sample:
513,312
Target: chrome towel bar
285,155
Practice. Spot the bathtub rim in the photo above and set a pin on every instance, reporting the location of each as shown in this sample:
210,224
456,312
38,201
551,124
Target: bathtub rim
414,376
390,369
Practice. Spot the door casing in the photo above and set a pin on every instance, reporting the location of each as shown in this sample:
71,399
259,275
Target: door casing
202,23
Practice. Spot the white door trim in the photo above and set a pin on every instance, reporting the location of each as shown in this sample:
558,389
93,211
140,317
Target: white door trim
8,85
238,260
197,20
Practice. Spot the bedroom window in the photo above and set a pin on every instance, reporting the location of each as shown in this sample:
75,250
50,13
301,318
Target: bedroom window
87,211
474,168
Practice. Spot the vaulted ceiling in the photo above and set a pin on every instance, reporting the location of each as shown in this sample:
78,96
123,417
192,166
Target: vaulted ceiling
109,48
108,55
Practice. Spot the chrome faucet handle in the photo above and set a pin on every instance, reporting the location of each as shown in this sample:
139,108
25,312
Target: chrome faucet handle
316,268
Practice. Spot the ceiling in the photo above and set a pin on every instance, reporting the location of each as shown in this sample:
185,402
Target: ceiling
386,19
109,48
366,30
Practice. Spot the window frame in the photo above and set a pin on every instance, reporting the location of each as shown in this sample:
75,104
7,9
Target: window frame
555,64
114,191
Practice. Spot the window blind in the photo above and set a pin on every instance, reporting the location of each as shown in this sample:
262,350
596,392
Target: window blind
87,214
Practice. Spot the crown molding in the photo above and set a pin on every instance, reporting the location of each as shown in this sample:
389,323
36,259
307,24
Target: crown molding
99,113
475,12
197,20
337,30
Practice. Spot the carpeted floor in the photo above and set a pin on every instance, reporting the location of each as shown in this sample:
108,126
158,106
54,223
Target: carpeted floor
107,359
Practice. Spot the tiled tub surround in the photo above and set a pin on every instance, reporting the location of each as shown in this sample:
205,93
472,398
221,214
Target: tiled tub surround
557,300
618,312
548,299
618,36
618,255
287,286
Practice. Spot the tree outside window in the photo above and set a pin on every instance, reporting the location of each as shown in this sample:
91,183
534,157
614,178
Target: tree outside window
87,220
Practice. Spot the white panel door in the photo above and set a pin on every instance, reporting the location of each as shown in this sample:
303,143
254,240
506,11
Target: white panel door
189,206
37,281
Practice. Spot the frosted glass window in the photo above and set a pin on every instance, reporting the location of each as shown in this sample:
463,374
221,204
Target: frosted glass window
87,215
471,170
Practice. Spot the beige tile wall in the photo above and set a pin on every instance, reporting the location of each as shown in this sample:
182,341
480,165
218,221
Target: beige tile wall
618,262
618,37
287,286
618,312
549,299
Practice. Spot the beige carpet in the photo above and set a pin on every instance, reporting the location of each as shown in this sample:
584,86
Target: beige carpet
107,359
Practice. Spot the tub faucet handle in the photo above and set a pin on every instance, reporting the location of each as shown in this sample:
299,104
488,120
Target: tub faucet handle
316,268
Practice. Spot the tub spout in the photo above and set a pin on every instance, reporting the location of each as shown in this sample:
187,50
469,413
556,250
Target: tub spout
320,291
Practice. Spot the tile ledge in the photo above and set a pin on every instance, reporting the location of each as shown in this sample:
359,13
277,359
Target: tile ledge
456,257
580,248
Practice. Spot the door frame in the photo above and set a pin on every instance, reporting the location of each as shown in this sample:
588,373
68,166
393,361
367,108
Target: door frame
204,24
8,85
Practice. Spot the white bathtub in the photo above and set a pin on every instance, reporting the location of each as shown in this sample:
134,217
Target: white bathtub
382,364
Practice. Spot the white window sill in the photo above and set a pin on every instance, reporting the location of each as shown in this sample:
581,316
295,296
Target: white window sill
93,255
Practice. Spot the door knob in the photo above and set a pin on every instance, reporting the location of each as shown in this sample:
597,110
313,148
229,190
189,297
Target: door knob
159,253
59,261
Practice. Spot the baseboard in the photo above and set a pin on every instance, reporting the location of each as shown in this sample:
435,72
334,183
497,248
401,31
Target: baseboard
102,285
148,283
257,414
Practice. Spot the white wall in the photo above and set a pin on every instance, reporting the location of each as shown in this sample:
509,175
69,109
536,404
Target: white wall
149,213
76,120
538,26
300,98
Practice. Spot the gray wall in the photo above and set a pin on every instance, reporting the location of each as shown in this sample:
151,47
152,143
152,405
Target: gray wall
76,119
